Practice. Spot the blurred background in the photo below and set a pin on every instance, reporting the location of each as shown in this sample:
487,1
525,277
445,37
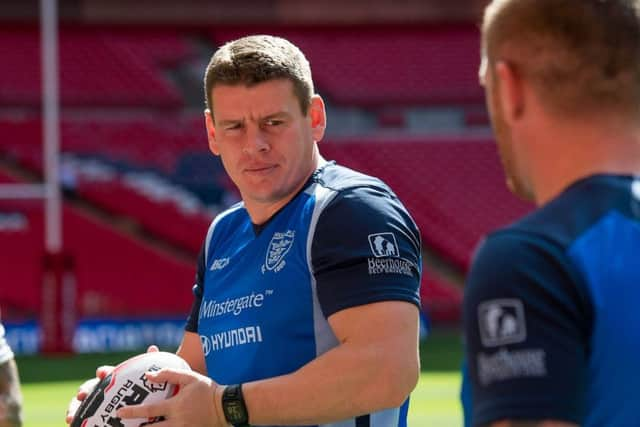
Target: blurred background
140,187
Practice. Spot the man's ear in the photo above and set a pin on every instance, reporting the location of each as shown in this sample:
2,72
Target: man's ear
318,117
510,91
211,132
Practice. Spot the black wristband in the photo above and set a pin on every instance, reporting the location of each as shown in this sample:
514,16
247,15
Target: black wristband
233,406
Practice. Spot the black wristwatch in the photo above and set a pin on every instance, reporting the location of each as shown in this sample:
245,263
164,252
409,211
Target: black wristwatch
233,406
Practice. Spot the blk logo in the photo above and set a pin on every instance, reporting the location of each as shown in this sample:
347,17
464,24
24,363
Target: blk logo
384,245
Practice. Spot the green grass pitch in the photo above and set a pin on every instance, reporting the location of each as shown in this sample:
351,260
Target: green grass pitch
49,383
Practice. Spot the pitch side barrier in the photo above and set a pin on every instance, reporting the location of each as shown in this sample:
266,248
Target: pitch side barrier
101,335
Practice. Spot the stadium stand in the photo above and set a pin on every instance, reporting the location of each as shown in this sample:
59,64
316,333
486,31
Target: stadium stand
21,251
454,188
97,67
160,216
453,214
364,66
115,275
440,299
142,154
159,174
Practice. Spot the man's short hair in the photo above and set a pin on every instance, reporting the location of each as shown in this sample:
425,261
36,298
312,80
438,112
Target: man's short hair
582,56
259,58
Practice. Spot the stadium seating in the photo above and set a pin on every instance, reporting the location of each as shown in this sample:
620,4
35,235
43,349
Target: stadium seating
365,66
115,274
138,152
441,299
97,67
21,252
454,188
159,216
174,156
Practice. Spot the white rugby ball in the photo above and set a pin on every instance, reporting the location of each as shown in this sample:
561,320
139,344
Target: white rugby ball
127,386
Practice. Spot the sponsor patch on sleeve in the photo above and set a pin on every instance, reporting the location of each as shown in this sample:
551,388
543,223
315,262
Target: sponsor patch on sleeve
501,322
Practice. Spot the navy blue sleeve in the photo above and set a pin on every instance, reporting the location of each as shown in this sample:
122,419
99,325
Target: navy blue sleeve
527,323
366,249
198,290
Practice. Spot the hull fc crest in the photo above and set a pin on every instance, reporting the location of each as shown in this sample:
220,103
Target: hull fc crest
279,245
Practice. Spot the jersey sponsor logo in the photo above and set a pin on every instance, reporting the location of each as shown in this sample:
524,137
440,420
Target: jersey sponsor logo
219,264
389,266
231,338
501,322
279,246
235,306
505,365
384,245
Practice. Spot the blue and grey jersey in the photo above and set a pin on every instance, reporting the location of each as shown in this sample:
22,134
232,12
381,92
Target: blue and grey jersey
5,351
264,294
551,311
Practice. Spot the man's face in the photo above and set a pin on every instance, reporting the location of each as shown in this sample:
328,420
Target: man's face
265,142
516,181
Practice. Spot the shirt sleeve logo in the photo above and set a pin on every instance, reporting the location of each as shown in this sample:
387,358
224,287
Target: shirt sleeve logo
501,322
384,245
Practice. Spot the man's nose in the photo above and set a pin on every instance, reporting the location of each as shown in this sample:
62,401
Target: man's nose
256,141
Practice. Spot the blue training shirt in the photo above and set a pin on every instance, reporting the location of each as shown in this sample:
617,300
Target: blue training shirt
551,311
263,294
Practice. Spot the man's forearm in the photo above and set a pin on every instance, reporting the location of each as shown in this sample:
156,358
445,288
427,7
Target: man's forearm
339,385
10,396
355,378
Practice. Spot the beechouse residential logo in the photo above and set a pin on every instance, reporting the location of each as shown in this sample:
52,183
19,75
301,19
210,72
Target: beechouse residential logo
386,256
384,245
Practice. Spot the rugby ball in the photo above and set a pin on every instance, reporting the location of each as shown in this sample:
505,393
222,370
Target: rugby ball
126,386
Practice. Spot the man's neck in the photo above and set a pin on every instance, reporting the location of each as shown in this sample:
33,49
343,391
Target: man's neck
572,153
260,213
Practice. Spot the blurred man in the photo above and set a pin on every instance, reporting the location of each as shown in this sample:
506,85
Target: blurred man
550,312
306,298
10,395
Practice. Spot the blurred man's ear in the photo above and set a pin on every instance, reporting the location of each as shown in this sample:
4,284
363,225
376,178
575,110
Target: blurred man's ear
318,117
211,132
510,91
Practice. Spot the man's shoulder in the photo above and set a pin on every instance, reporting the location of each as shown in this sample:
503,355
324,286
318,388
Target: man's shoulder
233,214
577,209
226,221
340,178
355,195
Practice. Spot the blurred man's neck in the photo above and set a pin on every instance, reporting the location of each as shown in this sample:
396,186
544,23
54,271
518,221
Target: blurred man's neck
571,150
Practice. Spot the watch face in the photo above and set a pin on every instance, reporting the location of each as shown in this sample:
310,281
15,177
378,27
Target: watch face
233,406
234,412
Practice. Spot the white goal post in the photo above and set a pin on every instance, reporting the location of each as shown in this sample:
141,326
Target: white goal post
57,316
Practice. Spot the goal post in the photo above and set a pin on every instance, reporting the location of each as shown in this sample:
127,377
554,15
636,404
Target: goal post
58,286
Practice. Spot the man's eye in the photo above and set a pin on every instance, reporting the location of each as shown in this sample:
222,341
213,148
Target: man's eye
273,122
235,126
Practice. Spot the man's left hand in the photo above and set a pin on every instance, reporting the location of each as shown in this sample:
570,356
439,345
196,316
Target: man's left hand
195,404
